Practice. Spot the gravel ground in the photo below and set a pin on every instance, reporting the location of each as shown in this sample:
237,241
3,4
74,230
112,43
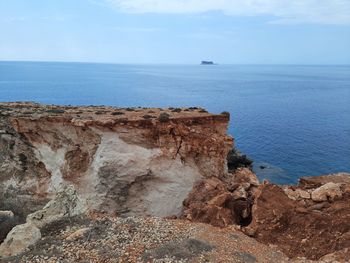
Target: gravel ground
104,239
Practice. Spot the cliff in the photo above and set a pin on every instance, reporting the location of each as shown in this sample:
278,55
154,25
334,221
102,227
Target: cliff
132,161
91,183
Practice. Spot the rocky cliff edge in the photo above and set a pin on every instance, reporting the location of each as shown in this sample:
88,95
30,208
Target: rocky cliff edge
89,184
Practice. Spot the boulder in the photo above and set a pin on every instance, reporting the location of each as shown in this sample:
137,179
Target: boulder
220,199
337,256
65,204
245,175
19,239
6,215
317,181
297,194
211,202
328,191
306,229
240,193
208,203
205,190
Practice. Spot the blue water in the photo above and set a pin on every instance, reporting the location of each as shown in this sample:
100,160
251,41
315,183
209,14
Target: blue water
293,119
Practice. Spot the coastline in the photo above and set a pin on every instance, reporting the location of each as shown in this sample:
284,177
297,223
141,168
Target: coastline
107,163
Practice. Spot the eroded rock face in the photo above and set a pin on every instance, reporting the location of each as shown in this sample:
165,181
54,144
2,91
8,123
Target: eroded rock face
210,202
117,159
222,202
301,226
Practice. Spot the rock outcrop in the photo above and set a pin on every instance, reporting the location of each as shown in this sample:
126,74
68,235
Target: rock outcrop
124,161
66,204
76,182
301,225
222,202
309,221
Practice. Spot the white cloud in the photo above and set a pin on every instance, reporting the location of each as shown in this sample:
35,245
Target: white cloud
285,11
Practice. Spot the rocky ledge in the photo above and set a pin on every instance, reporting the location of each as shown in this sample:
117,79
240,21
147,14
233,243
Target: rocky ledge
119,160
104,184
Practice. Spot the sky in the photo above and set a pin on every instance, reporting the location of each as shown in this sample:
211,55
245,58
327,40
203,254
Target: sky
176,31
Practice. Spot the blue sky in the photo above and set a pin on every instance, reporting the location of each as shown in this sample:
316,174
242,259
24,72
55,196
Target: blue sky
176,31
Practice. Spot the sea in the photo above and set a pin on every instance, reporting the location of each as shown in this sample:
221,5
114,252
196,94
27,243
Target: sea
292,120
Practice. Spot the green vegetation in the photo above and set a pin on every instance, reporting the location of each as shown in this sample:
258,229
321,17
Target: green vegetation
117,113
176,110
164,117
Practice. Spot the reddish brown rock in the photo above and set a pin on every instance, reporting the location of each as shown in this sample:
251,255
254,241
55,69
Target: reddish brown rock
211,202
118,160
245,175
207,203
317,181
300,228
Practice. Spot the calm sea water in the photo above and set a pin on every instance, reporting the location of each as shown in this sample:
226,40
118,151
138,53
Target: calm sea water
293,119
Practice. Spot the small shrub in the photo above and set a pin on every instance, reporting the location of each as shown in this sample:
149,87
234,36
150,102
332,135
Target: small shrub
99,112
236,160
176,110
164,117
117,113
130,109
203,111
147,117
57,111
193,108
226,113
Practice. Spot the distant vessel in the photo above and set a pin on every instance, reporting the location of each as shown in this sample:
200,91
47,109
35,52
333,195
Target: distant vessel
207,63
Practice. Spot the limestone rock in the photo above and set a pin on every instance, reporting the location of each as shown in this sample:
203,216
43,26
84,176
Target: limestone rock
328,191
19,239
337,256
7,221
211,202
65,204
297,194
317,181
240,193
78,234
117,160
220,199
208,203
6,215
245,175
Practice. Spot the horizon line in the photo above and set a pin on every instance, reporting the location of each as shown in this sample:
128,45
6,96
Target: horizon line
175,63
